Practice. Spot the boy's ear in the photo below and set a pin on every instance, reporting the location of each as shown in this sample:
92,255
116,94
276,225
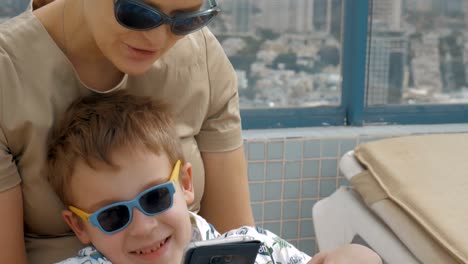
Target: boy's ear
76,224
186,183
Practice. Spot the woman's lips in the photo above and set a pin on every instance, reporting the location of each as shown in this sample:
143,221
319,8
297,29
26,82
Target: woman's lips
141,54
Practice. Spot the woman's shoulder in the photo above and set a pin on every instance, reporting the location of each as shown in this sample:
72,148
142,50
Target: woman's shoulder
18,28
23,39
27,52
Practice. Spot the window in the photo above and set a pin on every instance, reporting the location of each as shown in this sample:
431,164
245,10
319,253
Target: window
417,53
416,62
317,62
287,54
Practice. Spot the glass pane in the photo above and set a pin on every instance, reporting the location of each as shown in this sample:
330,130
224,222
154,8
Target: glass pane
11,8
418,52
287,53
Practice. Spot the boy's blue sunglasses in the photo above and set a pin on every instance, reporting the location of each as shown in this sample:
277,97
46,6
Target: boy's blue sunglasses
137,15
117,216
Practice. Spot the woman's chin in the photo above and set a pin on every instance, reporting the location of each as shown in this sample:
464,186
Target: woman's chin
135,69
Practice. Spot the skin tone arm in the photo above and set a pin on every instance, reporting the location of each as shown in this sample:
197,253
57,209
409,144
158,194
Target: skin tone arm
226,201
11,227
347,254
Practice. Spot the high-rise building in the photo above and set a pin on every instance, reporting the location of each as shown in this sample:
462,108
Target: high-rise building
452,66
387,59
337,18
242,11
465,46
465,12
321,15
302,16
301,19
418,5
454,6
447,7
387,53
388,12
274,15
439,7
425,62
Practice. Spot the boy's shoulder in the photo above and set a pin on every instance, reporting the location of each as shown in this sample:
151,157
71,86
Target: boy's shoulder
201,229
273,248
87,255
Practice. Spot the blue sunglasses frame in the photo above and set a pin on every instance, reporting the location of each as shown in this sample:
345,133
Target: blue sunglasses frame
130,204
161,18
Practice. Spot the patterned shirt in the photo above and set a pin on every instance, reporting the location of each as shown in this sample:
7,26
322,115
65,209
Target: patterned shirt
273,249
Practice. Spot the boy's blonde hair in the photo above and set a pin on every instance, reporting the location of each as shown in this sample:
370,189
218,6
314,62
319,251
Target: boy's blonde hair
95,126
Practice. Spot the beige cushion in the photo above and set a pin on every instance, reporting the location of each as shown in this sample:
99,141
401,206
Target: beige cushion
426,176
411,234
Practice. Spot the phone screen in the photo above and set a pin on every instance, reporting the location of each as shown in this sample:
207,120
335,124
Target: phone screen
231,259
241,252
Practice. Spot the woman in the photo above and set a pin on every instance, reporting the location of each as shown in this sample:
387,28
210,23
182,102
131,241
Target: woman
70,48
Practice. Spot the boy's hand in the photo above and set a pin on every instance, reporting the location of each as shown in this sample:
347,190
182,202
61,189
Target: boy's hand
347,254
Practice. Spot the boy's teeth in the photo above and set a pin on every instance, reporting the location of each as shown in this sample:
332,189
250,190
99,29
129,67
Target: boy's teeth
141,252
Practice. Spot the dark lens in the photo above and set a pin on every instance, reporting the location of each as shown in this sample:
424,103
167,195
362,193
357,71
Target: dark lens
137,17
114,218
156,200
190,24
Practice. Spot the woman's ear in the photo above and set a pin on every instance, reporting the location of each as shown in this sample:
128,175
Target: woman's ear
76,224
186,183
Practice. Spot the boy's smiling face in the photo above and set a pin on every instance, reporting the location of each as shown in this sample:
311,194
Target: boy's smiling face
147,239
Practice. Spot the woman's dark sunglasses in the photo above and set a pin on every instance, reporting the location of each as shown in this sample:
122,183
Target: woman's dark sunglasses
117,216
136,15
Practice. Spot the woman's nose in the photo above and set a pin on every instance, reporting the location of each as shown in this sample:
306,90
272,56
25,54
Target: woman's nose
142,224
158,36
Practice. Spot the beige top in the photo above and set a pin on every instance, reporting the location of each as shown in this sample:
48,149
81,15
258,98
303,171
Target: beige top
37,83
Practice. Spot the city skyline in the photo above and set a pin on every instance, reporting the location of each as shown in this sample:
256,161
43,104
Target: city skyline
405,62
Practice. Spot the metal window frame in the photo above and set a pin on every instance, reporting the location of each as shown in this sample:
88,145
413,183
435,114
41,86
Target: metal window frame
353,110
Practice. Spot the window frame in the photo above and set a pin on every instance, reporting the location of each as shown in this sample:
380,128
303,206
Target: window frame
353,110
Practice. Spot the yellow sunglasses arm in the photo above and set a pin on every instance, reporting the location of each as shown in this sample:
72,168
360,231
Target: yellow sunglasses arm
175,172
79,213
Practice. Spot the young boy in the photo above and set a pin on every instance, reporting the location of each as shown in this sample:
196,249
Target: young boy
116,162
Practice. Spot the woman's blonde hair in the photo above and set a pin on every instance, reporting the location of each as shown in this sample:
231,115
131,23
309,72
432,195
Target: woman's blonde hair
95,126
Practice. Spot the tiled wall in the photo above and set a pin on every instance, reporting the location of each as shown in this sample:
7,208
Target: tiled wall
288,175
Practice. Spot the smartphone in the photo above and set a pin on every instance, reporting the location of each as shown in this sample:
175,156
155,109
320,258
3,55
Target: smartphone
229,250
